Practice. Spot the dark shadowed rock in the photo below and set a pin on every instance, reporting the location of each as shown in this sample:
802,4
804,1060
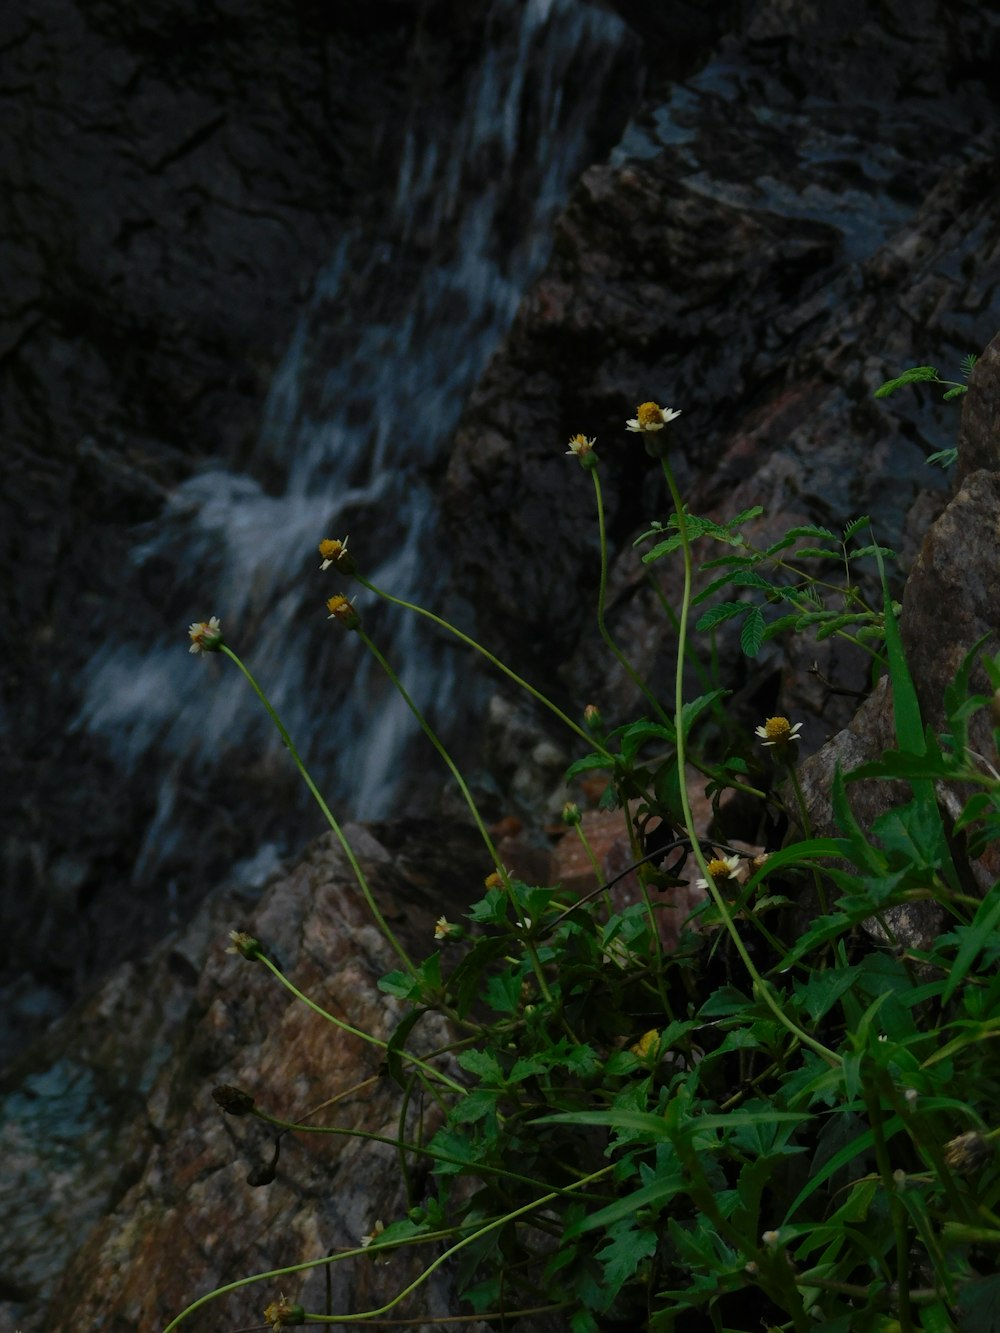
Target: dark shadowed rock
762,251
125,1192
949,605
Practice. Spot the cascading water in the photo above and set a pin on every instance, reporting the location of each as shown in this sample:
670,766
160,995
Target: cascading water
398,328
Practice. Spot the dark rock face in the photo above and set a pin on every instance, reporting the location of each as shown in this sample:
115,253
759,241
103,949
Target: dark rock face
772,239
125,1194
173,183
949,605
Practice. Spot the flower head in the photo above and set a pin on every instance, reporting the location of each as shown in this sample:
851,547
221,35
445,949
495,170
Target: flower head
447,930
650,416
281,1313
494,880
206,636
969,1153
343,610
373,1235
335,553
724,870
245,945
583,449
778,731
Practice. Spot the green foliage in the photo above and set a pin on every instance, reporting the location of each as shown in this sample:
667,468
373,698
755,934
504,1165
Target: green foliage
929,375
787,1119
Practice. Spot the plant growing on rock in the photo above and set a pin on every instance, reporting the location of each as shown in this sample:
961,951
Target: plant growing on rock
785,1119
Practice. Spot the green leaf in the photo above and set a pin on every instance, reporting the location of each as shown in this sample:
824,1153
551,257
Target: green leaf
823,989
752,633
653,1195
816,553
979,1305
717,614
943,457
887,551
852,1151
625,1251
912,376
980,934
809,530
955,391
745,516
855,525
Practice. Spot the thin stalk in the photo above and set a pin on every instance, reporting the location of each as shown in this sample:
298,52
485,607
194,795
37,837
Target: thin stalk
760,986
357,1032
448,1255
630,670
554,709
359,874
806,822
453,768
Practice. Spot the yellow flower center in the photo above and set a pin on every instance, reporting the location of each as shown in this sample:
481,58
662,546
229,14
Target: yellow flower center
649,414
337,604
719,869
778,728
329,550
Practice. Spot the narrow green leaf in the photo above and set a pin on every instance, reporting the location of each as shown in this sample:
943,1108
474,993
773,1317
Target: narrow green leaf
981,929
752,633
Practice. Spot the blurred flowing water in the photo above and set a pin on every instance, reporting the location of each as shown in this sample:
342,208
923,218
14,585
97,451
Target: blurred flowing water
398,327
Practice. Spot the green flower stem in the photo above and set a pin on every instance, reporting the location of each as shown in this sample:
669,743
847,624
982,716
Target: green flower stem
595,865
806,822
450,1253
896,1209
414,1060
359,874
432,736
760,986
575,727
291,1269
630,671
293,1126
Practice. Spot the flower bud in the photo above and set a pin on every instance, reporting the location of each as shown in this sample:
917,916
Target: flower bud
571,814
342,610
234,1101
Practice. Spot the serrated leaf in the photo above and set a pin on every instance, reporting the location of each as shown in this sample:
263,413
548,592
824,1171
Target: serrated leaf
749,578
855,525
715,615
752,633
745,516
912,376
887,551
816,553
810,530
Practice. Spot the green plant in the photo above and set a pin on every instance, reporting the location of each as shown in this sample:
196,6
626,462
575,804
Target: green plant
929,375
786,1120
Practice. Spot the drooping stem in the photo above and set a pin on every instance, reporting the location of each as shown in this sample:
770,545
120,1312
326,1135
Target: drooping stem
355,865
761,987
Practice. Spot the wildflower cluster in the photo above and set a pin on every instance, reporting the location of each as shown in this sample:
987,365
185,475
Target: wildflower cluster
773,1111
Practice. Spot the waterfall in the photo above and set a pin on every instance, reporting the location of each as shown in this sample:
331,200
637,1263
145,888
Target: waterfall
399,325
